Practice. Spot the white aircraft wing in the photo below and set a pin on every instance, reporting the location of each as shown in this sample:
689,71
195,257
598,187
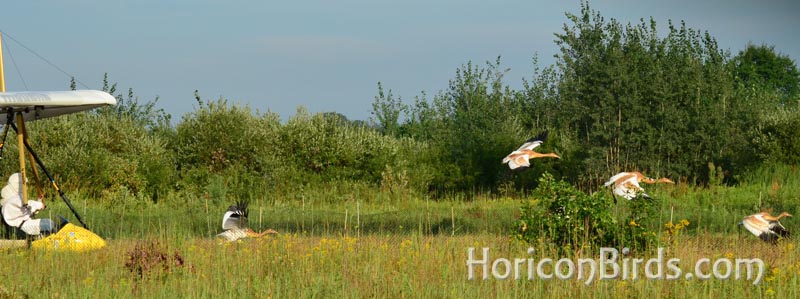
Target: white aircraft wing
43,104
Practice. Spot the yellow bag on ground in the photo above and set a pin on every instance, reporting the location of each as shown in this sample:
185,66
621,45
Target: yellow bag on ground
70,238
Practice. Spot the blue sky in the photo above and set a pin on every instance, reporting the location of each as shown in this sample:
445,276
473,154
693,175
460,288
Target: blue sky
325,55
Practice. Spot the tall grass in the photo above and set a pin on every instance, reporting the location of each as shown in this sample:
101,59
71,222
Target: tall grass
774,188
308,217
394,266
366,243
331,207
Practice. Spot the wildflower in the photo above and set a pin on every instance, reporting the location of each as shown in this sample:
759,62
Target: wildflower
89,279
770,292
405,243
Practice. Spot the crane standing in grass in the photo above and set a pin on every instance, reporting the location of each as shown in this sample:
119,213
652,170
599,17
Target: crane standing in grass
520,158
234,222
766,227
626,184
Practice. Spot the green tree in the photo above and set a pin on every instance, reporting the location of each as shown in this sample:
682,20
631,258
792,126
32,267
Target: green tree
470,127
763,66
777,138
634,100
386,112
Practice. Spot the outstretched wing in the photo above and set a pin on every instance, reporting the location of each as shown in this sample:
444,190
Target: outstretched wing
43,104
625,192
233,234
756,225
235,216
618,178
534,142
629,188
778,229
519,158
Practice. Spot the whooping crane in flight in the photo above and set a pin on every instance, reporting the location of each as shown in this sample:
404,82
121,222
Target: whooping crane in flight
766,227
626,184
234,222
520,158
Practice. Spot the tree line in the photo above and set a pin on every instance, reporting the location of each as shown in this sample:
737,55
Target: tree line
619,97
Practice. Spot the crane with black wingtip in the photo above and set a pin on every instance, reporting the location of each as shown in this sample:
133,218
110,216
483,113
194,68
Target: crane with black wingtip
234,222
766,227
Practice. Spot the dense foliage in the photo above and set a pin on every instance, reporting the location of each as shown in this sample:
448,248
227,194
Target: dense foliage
558,212
219,150
620,97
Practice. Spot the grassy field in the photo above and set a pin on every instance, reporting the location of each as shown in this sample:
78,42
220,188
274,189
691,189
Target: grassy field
356,246
390,266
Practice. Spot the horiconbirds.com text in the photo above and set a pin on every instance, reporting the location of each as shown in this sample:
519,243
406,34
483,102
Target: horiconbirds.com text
608,265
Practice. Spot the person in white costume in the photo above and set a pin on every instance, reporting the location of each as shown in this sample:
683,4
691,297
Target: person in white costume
20,216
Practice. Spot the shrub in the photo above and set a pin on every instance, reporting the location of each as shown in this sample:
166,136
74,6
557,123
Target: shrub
639,230
322,148
228,141
568,217
559,212
98,152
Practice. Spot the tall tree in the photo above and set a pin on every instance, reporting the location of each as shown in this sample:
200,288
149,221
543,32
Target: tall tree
762,66
637,101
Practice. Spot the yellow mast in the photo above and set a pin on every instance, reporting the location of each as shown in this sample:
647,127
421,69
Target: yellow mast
2,78
20,143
